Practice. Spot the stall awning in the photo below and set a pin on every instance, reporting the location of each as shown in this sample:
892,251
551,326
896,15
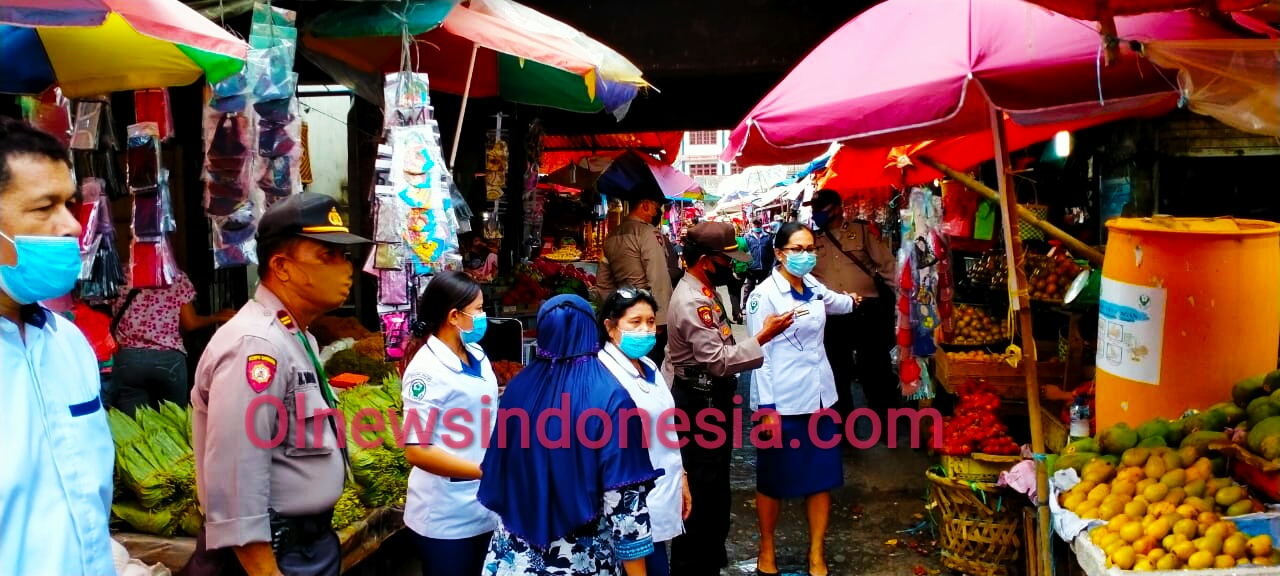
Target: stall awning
769,196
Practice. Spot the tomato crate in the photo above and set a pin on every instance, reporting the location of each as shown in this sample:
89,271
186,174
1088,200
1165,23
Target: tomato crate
1009,382
978,467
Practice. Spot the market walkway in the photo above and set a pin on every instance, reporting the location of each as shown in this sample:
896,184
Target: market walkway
884,492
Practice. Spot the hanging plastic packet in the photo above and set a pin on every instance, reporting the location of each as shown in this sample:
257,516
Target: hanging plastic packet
276,139
393,287
389,256
406,100
90,212
263,36
153,106
278,105
234,241
85,135
148,264
389,220
269,66
50,112
148,215
106,276
395,328
265,13
143,162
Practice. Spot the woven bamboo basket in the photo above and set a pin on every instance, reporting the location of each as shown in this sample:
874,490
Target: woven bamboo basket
980,535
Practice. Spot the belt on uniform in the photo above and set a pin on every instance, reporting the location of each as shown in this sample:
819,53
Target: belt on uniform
291,531
700,381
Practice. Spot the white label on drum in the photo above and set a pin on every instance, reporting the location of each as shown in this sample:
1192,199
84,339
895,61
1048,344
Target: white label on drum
1131,330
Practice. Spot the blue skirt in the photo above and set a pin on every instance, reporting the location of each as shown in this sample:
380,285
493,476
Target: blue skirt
800,468
461,557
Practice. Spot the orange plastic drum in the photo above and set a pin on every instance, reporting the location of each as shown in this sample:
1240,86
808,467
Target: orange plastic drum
1189,306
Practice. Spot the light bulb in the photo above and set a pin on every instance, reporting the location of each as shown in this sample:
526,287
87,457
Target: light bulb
1062,144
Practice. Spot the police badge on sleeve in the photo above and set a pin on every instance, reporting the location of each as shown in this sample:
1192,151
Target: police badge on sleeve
259,371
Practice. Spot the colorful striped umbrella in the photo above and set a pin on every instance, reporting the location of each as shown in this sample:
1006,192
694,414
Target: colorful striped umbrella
90,47
483,48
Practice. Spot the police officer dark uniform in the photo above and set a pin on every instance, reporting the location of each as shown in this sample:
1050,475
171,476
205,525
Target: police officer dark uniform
702,363
268,487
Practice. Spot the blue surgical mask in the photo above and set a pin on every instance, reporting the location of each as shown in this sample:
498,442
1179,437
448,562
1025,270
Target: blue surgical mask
637,343
821,219
479,323
802,263
47,267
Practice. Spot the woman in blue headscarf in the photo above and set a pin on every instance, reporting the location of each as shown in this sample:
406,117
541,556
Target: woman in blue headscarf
570,494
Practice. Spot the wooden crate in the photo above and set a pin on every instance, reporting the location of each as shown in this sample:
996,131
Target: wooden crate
1009,382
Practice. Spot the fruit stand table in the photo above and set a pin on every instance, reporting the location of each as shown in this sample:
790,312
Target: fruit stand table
359,541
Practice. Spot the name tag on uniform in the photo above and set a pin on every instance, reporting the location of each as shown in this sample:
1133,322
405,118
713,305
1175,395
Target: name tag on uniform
86,408
308,378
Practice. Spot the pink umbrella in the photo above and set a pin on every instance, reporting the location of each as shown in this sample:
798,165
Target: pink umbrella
906,71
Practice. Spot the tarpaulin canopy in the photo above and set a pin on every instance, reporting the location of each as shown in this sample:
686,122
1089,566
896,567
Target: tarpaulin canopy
1235,81
89,47
862,87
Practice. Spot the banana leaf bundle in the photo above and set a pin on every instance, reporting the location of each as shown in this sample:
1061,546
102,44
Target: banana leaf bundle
348,509
158,521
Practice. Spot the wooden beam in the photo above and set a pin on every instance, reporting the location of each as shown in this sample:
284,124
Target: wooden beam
1020,300
1078,248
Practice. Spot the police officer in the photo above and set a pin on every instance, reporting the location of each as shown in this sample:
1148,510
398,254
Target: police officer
702,362
266,485
851,260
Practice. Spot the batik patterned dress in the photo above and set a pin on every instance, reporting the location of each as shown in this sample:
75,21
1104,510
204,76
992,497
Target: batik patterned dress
597,549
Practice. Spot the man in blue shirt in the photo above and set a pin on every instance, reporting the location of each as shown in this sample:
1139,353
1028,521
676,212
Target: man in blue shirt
55,469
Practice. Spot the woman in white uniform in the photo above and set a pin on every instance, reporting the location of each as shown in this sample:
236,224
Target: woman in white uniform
796,382
449,372
629,326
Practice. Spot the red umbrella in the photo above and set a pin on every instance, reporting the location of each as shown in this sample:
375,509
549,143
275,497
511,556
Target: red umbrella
912,70
853,168
1108,8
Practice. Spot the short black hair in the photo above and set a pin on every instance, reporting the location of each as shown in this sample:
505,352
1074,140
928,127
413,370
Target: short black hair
691,254
446,292
18,138
616,305
825,198
783,236
270,246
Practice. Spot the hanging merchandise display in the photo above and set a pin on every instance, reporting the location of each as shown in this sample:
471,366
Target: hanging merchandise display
532,197
416,219
151,263
252,130
924,294
94,145
495,168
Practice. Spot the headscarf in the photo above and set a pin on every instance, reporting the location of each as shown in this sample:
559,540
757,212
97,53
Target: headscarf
546,491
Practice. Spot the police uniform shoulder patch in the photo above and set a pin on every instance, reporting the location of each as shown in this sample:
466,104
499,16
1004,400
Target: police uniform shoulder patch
724,331
259,371
718,310
418,387
706,292
285,319
704,314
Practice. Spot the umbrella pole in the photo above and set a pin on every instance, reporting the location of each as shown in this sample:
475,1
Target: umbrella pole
1075,245
462,112
1021,302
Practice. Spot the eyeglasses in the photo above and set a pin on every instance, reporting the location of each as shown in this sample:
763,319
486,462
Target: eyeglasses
633,293
795,250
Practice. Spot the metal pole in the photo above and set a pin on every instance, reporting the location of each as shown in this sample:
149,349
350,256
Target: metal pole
462,112
1021,302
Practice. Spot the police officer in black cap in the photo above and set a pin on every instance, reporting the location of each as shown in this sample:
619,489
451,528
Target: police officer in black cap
268,494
